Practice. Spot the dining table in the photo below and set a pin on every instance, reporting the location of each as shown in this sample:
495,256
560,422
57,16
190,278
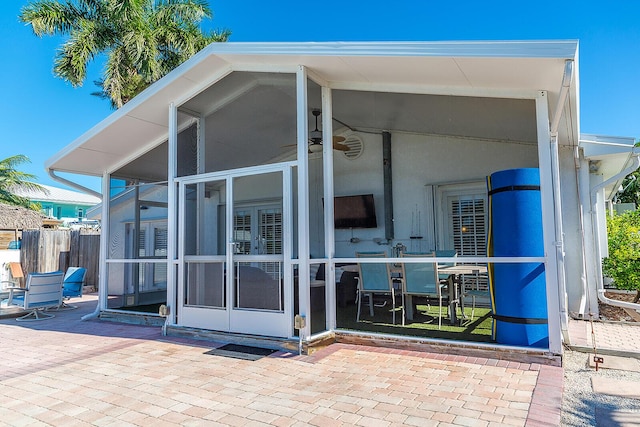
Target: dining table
456,289
456,277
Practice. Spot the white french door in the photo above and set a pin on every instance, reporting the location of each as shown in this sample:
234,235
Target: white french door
462,218
232,275
463,225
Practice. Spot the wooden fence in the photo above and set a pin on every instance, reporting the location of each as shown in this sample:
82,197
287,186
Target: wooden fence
7,236
51,250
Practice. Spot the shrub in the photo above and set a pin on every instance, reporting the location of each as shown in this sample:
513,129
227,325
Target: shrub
623,263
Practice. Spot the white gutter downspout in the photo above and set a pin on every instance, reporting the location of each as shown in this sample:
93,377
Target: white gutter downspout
596,234
81,188
555,170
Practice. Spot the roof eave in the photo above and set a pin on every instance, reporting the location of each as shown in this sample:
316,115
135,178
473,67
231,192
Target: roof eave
223,53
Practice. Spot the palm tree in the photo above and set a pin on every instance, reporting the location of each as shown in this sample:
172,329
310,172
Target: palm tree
11,178
142,39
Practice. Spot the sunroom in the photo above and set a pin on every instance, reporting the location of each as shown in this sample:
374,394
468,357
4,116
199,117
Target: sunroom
219,179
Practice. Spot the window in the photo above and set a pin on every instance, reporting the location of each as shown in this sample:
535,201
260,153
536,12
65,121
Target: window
242,231
264,223
462,224
160,250
270,229
467,223
47,210
462,218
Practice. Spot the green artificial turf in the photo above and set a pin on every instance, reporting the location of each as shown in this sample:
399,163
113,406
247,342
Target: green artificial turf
424,323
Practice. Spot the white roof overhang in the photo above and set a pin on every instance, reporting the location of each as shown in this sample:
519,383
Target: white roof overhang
608,156
495,69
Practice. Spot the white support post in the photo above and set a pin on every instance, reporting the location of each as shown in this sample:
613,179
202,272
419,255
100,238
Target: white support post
329,232
103,282
548,222
559,235
304,302
589,298
172,231
200,169
200,195
230,284
287,242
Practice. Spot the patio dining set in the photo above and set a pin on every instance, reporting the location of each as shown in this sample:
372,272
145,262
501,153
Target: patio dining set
419,278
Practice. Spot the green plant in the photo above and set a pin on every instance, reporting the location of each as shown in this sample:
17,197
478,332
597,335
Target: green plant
139,40
623,263
11,179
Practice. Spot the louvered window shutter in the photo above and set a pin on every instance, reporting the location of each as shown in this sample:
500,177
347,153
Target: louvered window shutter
468,225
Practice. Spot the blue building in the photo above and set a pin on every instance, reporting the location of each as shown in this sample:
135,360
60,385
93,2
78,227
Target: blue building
65,205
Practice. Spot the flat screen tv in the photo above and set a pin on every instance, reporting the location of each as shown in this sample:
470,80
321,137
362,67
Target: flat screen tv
355,211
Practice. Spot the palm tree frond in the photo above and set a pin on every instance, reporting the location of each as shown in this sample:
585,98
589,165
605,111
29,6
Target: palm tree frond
143,39
12,179
50,17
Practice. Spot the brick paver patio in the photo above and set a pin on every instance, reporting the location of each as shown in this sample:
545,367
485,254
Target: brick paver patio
64,371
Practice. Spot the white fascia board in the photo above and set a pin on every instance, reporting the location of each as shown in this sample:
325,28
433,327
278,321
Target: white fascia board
506,49
595,146
614,154
574,98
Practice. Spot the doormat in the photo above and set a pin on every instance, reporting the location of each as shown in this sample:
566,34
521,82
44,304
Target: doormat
244,352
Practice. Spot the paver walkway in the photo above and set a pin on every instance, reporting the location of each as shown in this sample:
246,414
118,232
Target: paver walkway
608,397
64,371
615,338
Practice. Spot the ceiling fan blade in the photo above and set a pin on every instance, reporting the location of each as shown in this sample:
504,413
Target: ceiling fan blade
340,147
315,144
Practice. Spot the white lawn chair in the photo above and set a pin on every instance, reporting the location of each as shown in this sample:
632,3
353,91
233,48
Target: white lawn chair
42,291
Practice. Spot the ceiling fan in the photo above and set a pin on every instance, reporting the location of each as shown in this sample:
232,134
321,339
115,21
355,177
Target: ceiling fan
315,138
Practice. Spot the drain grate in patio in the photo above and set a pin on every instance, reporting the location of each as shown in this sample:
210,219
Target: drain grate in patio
238,351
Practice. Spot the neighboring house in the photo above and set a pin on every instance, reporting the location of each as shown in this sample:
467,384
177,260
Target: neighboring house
212,167
65,205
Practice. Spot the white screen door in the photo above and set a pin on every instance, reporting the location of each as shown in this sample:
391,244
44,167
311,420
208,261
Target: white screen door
233,271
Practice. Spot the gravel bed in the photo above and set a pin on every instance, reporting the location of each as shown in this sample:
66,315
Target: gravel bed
579,402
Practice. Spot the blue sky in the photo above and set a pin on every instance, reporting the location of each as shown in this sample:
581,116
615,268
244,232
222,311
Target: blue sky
41,114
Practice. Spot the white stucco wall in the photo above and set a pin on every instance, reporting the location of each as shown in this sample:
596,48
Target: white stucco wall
417,161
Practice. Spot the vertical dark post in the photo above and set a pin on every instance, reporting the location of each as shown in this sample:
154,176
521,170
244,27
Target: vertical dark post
388,186
63,261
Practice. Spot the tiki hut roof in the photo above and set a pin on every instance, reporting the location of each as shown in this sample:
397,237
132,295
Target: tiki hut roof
19,218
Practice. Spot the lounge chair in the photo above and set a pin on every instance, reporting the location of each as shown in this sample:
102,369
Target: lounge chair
72,286
42,291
